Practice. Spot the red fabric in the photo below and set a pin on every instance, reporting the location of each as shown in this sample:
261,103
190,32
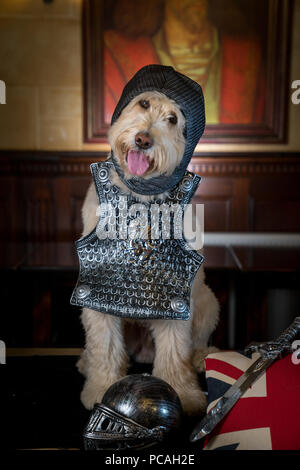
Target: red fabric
242,83
223,367
123,57
279,410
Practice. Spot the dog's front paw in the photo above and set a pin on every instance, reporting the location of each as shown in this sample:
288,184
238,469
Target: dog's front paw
92,393
193,400
81,365
200,355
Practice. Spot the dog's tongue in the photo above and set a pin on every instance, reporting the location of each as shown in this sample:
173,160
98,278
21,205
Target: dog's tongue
138,162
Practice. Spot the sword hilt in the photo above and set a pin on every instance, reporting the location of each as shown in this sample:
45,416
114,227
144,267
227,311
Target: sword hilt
269,352
289,334
272,349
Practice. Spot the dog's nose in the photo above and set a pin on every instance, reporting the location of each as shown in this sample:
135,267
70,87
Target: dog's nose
143,140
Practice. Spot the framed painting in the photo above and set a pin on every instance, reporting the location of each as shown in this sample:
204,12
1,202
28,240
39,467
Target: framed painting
238,50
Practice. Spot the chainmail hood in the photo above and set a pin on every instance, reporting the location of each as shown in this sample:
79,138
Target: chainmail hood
188,96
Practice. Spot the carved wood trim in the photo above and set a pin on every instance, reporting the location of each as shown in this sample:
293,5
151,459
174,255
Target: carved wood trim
44,191
245,166
38,163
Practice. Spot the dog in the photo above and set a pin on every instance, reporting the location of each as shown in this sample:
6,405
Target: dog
148,139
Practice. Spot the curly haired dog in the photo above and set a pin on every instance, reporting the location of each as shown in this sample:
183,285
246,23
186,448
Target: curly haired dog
152,127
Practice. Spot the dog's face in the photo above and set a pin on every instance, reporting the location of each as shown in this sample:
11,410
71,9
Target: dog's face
147,139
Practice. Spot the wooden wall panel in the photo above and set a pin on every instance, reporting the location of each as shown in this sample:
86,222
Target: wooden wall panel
216,194
225,203
8,216
38,220
274,203
77,195
69,197
41,193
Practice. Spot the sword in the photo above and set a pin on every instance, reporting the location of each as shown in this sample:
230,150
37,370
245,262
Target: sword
269,352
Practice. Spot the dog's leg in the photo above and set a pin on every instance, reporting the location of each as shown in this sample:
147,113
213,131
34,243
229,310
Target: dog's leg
172,362
205,318
104,359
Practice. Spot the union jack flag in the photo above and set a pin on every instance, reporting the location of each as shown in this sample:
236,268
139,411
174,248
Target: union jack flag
267,417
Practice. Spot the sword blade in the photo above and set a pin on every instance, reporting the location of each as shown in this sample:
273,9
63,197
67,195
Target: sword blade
229,399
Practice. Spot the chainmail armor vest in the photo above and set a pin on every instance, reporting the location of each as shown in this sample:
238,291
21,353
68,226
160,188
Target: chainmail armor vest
140,278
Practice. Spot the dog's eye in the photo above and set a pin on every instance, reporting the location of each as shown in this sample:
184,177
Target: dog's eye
172,119
144,104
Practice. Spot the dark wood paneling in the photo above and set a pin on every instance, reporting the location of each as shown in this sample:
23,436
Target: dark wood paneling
37,217
275,202
255,193
8,217
216,195
41,193
69,197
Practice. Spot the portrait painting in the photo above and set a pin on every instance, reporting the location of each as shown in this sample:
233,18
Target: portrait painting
227,47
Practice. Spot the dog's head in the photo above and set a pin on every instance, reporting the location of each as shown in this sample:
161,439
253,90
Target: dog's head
148,138
156,125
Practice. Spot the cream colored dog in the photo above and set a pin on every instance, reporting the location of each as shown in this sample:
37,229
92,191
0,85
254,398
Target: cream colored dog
153,124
